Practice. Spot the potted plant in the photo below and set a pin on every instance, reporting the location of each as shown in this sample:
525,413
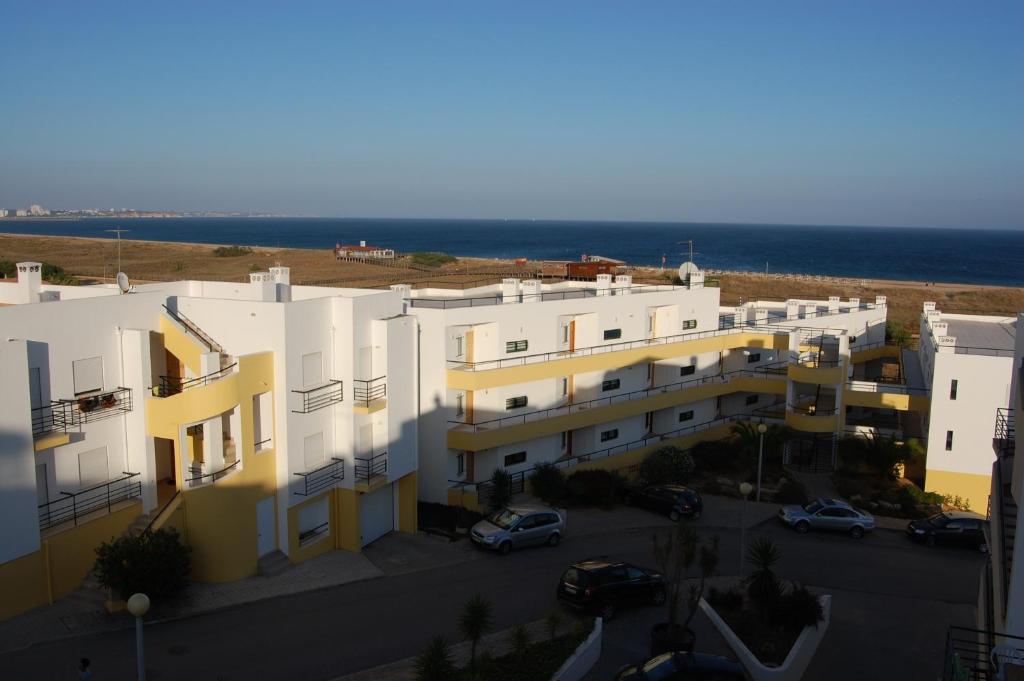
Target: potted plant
109,400
675,552
87,404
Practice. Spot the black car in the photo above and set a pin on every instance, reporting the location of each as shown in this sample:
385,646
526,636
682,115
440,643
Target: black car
675,501
953,528
684,667
602,586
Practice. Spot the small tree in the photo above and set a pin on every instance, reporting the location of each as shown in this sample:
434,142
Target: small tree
896,333
435,662
501,489
475,620
548,482
154,563
674,553
763,587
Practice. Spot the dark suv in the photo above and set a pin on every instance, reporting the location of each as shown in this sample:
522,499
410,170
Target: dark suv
955,528
602,586
675,501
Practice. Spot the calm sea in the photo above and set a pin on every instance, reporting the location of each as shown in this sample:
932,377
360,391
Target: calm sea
948,255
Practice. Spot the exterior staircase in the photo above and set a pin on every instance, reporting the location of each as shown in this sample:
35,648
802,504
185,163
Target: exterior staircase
90,596
272,564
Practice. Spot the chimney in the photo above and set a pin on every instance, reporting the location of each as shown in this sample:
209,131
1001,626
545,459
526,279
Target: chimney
740,318
929,306
604,283
833,304
854,304
404,290
510,290
760,315
623,283
30,279
880,301
362,243
263,286
532,291
792,309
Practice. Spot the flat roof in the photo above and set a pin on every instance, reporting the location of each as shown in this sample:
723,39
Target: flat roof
982,334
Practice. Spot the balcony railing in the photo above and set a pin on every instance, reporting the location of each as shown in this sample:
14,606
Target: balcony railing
48,418
172,385
888,386
321,478
979,655
814,360
767,371
811,410
368,468
193,328
366,392
75,505
1005,424
199,478
569,294
319,397
65,414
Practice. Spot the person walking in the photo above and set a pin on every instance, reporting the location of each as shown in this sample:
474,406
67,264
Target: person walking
84,673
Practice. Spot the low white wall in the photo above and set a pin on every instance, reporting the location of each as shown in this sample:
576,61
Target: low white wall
585,657
799,656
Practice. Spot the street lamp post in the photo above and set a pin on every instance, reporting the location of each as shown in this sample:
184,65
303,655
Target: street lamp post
138,605
762,429
745,489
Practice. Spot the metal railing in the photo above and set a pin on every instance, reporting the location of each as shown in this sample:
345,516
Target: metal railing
814,360
367,391
367,468
884,387
65,414
75,505
777,369
172,385
156,516
811,410
540,296
321,478
206,478
260,446
307,535
1005,424
977,654
193,328
48,418
319,397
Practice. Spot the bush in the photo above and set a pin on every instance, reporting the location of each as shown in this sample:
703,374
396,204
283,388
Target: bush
714,455
791,492
595,487
8,269
800,608
154,563
54,274
500,490
666,465
730,599
231,251
548,482
435,662
432,259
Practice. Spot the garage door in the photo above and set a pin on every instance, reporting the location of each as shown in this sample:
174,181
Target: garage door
376,514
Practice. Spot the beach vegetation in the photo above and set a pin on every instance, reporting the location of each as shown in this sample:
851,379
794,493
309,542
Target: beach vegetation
432,259
231,251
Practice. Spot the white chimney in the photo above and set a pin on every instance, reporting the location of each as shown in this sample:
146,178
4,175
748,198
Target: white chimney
929,306
281,275
833,304
740,318
854,304
30,279
880,301
792,309
532,291
510,290
263,286
760,315
362,243
623,283
604,284
404,290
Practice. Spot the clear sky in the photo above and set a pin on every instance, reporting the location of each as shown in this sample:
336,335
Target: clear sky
869,112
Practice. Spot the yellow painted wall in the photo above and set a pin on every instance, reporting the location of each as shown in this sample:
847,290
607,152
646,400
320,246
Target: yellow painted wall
973,487
62,562
811,424
519,433
875,353
182,345
857,398
347,520
462,379
816,375
323,544
407,508
173,516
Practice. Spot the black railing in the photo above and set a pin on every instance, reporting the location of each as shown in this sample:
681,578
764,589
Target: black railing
811,410
978,655
262,444
65,414
48,418
156,516
193,328
889,387
569,294
307,535
75,505
367,468
777,369
1005,424
321,478
319,397
205,478
485,489
815,361
367,391
172,385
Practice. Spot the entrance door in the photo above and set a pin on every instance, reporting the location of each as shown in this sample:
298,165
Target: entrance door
376,514
265,538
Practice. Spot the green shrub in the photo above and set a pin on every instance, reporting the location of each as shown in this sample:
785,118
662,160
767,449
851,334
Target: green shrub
896,333
596,487
729,599
666,465
432,259
548,482
8,269
435,662
715,455
800,608
500,492
154,563
791,492
55,274
231,251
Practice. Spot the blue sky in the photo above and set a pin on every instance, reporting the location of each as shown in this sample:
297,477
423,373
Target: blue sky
880,113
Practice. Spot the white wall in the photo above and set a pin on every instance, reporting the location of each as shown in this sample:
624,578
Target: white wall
19,531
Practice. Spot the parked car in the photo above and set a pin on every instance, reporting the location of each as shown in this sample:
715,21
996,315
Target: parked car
684,667
518,526
954,528
827,514
601,586
675,501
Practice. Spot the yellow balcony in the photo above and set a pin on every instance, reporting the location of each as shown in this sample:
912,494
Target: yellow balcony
370,395
810,420
809,369
886,396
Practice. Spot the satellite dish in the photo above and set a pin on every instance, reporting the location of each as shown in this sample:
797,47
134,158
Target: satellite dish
686,269
122,282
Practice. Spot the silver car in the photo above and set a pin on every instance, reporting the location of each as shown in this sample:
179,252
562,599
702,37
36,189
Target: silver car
517,526
827,514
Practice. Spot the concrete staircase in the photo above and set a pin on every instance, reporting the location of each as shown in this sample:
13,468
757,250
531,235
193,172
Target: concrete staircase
272,564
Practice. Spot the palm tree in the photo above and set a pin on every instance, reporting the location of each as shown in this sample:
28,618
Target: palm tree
475,620
435,663
749,439
763,587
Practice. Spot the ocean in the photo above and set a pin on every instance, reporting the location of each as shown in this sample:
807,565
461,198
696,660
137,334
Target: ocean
972,256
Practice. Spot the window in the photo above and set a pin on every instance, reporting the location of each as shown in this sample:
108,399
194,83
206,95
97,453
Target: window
650,372
686,416
460,406
516,402
752,399
612,334
312,369
607,435
263,421
92,467
565,439
513,459
648,421
949,440
689,324
313,451
565,386
952,389
688,370
610,384
460,346
753,357
88,374
565,333
516,346
460,463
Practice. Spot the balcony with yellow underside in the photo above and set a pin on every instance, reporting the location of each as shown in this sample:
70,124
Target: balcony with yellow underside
511,370
556,420
812,421
817,373
370,396
883,396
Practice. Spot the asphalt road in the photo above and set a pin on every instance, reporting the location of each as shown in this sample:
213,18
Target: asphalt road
884,586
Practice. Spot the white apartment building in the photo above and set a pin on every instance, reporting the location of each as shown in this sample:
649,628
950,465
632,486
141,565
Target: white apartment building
966,363
258,419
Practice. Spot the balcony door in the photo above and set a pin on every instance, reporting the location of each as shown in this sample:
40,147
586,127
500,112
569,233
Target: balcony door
265,538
